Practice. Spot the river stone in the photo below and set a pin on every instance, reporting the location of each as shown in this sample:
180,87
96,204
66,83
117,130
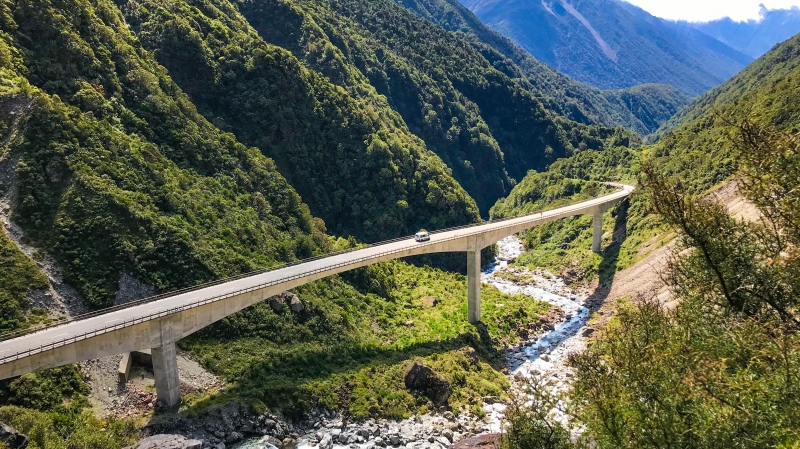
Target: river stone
233,437
165,441
270,440
424,379
12,438
326,442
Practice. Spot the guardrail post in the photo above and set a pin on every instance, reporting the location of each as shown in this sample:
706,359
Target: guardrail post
474,286
165,370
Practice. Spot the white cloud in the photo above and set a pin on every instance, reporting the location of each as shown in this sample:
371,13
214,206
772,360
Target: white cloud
705,10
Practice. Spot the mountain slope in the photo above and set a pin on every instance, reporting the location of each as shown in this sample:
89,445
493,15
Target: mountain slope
695,143
611,44
115,172
754,37
485,125
352,159
698,149
643,110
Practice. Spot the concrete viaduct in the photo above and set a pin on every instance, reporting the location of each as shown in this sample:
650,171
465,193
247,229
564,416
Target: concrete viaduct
160,322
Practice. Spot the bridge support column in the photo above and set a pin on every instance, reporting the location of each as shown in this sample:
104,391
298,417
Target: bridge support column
597,230
474,286
165,369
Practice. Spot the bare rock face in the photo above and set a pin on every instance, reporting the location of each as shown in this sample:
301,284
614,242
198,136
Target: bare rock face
424,379
12,438
131,289
430,301
278,302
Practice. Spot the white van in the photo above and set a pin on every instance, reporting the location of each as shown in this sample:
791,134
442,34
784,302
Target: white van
422,236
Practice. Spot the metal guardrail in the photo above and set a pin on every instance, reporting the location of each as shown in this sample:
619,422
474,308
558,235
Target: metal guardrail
32,351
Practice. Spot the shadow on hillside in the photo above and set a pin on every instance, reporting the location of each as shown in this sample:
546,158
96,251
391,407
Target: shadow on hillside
607,269
279,382
608,266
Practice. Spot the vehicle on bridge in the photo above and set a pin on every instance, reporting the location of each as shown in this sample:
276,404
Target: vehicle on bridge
422,236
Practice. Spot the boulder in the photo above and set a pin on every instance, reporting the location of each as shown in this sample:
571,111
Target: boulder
295,304
233,437
587,332
430,301
12,438
486,441
276,303
326,442
425,380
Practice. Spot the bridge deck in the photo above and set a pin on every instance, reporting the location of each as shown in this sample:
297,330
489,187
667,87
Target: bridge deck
14,350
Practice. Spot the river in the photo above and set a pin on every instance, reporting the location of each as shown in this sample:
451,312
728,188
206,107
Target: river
545,355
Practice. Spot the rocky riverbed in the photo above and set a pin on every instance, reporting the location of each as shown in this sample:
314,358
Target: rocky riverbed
546,355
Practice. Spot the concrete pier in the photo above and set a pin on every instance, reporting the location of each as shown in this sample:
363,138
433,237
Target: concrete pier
474,286
165,370
597,230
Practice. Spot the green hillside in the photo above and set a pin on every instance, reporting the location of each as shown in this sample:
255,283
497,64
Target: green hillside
640,108
485,125
698,149
695,144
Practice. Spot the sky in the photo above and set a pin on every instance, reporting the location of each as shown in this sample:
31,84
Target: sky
705,10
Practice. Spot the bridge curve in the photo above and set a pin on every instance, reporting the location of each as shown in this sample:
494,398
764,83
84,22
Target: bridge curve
160,323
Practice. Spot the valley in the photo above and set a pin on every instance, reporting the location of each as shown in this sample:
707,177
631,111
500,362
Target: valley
222,191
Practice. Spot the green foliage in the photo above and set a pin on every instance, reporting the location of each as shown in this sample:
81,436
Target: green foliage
349,349
337,149
640,108
46,390
18,275
69,430
137,180
529,422
719,368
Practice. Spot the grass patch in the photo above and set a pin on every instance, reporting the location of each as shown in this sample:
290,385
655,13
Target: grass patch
350,348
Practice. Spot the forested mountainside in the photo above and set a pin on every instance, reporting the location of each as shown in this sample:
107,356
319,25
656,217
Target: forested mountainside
640,108
611,44
753,37
696,148
111,173
469,112
111,168
672,366
693,143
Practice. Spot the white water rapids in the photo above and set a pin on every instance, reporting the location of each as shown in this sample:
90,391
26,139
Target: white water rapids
546,355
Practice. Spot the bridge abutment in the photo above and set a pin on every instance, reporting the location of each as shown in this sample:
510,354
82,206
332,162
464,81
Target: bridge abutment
165,370
474,286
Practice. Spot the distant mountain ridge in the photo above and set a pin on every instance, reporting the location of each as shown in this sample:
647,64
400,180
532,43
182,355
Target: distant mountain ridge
611,44
754,37
639,108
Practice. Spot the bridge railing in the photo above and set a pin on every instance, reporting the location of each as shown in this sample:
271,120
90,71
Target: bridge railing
155,315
